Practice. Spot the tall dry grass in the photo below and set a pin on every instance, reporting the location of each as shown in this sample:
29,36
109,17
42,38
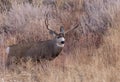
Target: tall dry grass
91,53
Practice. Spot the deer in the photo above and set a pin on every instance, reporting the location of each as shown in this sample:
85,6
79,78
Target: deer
47,50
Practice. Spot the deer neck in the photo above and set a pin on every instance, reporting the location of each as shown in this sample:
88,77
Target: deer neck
57,46
56,50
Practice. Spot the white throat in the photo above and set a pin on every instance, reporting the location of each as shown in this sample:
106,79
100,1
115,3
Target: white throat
60,45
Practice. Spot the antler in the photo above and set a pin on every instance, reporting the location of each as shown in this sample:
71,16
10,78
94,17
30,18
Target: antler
46,24
76,25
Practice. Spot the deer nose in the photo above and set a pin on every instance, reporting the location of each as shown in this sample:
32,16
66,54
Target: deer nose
62,42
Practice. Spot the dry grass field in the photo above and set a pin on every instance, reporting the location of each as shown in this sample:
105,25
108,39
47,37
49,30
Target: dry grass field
91,52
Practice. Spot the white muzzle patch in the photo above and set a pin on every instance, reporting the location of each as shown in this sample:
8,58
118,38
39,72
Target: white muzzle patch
59,42
7,50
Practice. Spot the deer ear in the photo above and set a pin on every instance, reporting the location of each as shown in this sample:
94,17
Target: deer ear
62,29
52,32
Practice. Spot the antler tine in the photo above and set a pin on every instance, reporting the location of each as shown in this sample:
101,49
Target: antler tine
46,24
72,28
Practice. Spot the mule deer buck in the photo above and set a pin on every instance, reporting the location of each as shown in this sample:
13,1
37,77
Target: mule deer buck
48,49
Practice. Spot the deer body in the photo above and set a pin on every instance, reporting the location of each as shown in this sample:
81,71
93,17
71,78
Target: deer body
36,51
44,50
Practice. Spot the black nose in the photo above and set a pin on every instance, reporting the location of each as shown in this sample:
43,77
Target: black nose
62,42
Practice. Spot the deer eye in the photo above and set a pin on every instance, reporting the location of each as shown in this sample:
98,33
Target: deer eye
58,36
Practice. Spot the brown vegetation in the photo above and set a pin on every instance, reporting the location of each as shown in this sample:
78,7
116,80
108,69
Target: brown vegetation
91,52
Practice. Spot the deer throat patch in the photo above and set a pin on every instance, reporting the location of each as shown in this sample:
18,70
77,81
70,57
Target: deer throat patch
60,45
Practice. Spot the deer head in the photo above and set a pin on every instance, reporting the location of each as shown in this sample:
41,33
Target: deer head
59,37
